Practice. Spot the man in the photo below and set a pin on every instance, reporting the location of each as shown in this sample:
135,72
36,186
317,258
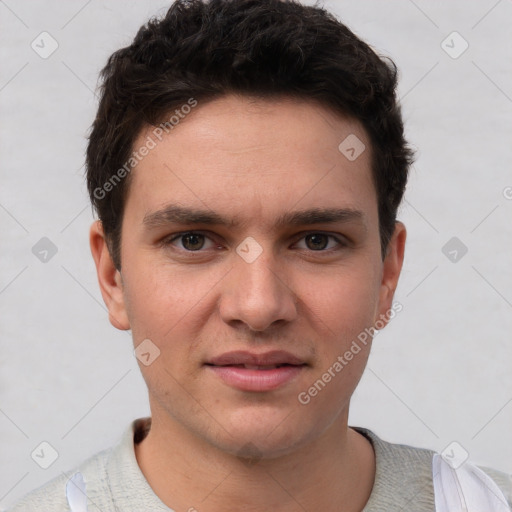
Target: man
246,164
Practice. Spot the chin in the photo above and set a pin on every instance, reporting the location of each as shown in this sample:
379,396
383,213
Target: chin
264,435
253,448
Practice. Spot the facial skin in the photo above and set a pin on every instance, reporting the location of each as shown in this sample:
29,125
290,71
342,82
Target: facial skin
252,161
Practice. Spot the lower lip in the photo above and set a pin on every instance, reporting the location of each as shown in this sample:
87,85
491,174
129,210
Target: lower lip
256,380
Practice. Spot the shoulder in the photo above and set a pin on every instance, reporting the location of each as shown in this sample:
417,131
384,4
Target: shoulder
404,475
402,460
52,495
503,481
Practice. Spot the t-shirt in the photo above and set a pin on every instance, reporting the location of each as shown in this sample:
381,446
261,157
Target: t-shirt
115,483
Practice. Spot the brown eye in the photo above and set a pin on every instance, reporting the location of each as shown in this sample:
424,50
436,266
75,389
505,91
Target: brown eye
190,242
193,241
316,242
321,242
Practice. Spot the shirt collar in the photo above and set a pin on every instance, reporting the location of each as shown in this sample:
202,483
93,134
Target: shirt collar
402,475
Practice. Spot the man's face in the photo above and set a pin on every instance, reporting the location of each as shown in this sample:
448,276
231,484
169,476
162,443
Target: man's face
307,288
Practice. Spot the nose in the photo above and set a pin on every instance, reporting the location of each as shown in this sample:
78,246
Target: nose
257,294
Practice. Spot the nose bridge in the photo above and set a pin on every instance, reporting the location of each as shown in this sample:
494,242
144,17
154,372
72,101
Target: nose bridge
260,277
257,293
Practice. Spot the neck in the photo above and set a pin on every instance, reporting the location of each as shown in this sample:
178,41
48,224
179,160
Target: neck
333,473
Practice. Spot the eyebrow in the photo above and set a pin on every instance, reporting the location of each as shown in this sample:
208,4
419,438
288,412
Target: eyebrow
174,214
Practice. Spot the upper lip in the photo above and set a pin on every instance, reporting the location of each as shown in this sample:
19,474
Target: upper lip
265,359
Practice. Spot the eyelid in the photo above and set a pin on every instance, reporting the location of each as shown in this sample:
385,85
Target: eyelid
341,240
176,236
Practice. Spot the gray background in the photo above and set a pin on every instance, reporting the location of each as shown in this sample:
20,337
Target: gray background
440,372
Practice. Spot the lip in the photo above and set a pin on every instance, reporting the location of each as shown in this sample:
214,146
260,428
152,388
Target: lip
229,368
274,357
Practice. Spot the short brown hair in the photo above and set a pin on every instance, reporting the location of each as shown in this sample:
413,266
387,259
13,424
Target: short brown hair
206,49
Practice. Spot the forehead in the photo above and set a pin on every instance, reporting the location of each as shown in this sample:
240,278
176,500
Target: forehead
243,154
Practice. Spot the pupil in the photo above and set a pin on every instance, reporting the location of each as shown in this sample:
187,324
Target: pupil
317,241
193,239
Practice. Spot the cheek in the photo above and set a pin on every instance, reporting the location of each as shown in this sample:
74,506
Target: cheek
341,310
165,304
344,302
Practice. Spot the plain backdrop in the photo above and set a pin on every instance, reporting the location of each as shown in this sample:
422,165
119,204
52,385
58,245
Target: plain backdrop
439,373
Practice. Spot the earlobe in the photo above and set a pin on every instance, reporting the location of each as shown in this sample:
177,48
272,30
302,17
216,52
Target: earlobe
109,278
391,269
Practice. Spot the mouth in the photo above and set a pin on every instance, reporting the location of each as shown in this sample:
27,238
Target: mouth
247,371
253,366
243,358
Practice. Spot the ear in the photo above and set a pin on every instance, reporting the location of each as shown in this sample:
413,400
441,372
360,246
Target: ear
392,267
109,278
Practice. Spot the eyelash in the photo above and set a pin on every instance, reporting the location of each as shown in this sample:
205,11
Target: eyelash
169,240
